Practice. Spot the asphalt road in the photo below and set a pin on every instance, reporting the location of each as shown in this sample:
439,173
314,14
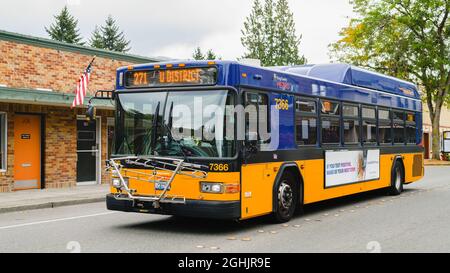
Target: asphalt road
416,221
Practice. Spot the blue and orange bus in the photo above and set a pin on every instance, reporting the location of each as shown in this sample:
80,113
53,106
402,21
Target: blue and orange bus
322,132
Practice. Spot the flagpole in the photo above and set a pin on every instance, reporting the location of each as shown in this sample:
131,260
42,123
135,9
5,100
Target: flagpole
90,64
93,59
75,103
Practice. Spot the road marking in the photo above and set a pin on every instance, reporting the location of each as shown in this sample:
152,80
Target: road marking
56,220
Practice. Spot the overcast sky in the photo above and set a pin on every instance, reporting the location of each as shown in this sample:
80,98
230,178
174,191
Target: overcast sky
173,28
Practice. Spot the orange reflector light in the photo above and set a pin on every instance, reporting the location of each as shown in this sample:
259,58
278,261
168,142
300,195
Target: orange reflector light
169,65
232,188
211,63
244,75
130,67
181,65
157,66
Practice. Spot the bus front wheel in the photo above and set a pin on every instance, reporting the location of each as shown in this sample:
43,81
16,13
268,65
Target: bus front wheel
396,187
286,198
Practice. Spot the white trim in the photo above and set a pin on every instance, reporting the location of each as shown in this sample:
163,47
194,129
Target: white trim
87,183
4,159
99,150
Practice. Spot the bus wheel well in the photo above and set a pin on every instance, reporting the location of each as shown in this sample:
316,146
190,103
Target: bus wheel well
293,169
399,159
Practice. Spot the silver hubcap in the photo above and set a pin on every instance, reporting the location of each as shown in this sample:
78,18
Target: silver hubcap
285,196
398,180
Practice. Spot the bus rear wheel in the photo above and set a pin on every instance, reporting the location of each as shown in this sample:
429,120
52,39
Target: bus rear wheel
286,198
396,187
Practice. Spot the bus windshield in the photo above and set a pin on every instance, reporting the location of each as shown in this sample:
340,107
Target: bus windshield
174,123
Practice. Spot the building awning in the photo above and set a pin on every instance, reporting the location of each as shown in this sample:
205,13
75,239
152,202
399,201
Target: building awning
51,98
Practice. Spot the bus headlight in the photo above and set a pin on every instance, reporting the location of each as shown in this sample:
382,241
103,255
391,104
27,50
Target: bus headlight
117,183
209,187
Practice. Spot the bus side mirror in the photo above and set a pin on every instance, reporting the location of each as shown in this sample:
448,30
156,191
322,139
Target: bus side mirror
90,112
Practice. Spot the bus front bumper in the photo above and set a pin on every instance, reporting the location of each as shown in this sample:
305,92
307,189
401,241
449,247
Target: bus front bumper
192,208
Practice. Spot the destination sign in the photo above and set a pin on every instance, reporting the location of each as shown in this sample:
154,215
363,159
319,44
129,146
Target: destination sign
171,77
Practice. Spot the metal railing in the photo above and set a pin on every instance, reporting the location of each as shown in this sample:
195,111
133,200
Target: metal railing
161,170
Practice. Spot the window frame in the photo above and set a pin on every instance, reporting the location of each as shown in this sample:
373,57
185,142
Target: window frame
390,125
330,116
415,127
393,111
300,114
269,117
352,118
374,120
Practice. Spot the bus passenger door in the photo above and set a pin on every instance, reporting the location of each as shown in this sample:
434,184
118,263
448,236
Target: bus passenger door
256,180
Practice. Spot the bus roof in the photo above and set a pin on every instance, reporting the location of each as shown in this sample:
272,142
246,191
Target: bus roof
352,75
340,74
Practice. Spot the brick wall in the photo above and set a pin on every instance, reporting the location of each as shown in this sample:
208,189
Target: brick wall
23,65
27,66
60,144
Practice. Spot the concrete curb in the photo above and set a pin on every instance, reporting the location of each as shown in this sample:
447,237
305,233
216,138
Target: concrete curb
52,204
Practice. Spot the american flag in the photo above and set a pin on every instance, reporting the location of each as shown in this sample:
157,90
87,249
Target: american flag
82,85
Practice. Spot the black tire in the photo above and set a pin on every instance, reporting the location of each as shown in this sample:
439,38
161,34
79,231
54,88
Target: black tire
286,198
397,179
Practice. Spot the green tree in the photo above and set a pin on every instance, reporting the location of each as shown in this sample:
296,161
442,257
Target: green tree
409,39
109,37
253,36
64,28
210,55
269,34
198,55
285,39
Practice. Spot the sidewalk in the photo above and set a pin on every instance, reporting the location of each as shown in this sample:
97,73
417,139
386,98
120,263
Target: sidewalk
434,162
49,198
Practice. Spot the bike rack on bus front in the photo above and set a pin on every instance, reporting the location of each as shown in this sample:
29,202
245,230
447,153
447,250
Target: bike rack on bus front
160,167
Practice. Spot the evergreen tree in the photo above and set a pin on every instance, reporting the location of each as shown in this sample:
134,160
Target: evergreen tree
97,38
64,28
286,43
198,55
210,55
269,29
253,34
109,37
269,34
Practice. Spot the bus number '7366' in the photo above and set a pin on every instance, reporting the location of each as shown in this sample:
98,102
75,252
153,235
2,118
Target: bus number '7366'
219,167
281,104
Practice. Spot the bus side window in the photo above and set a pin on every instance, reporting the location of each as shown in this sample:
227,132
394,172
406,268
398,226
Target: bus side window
369,126
257,125
351,124
305,121
410,128
330,122
398,125
384,126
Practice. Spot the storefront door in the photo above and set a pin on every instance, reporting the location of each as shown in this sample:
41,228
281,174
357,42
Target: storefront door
87,151
27,152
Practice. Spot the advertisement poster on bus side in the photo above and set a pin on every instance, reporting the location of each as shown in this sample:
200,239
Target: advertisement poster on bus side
347,167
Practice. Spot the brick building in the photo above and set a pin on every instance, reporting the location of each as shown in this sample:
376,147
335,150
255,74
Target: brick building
44,143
